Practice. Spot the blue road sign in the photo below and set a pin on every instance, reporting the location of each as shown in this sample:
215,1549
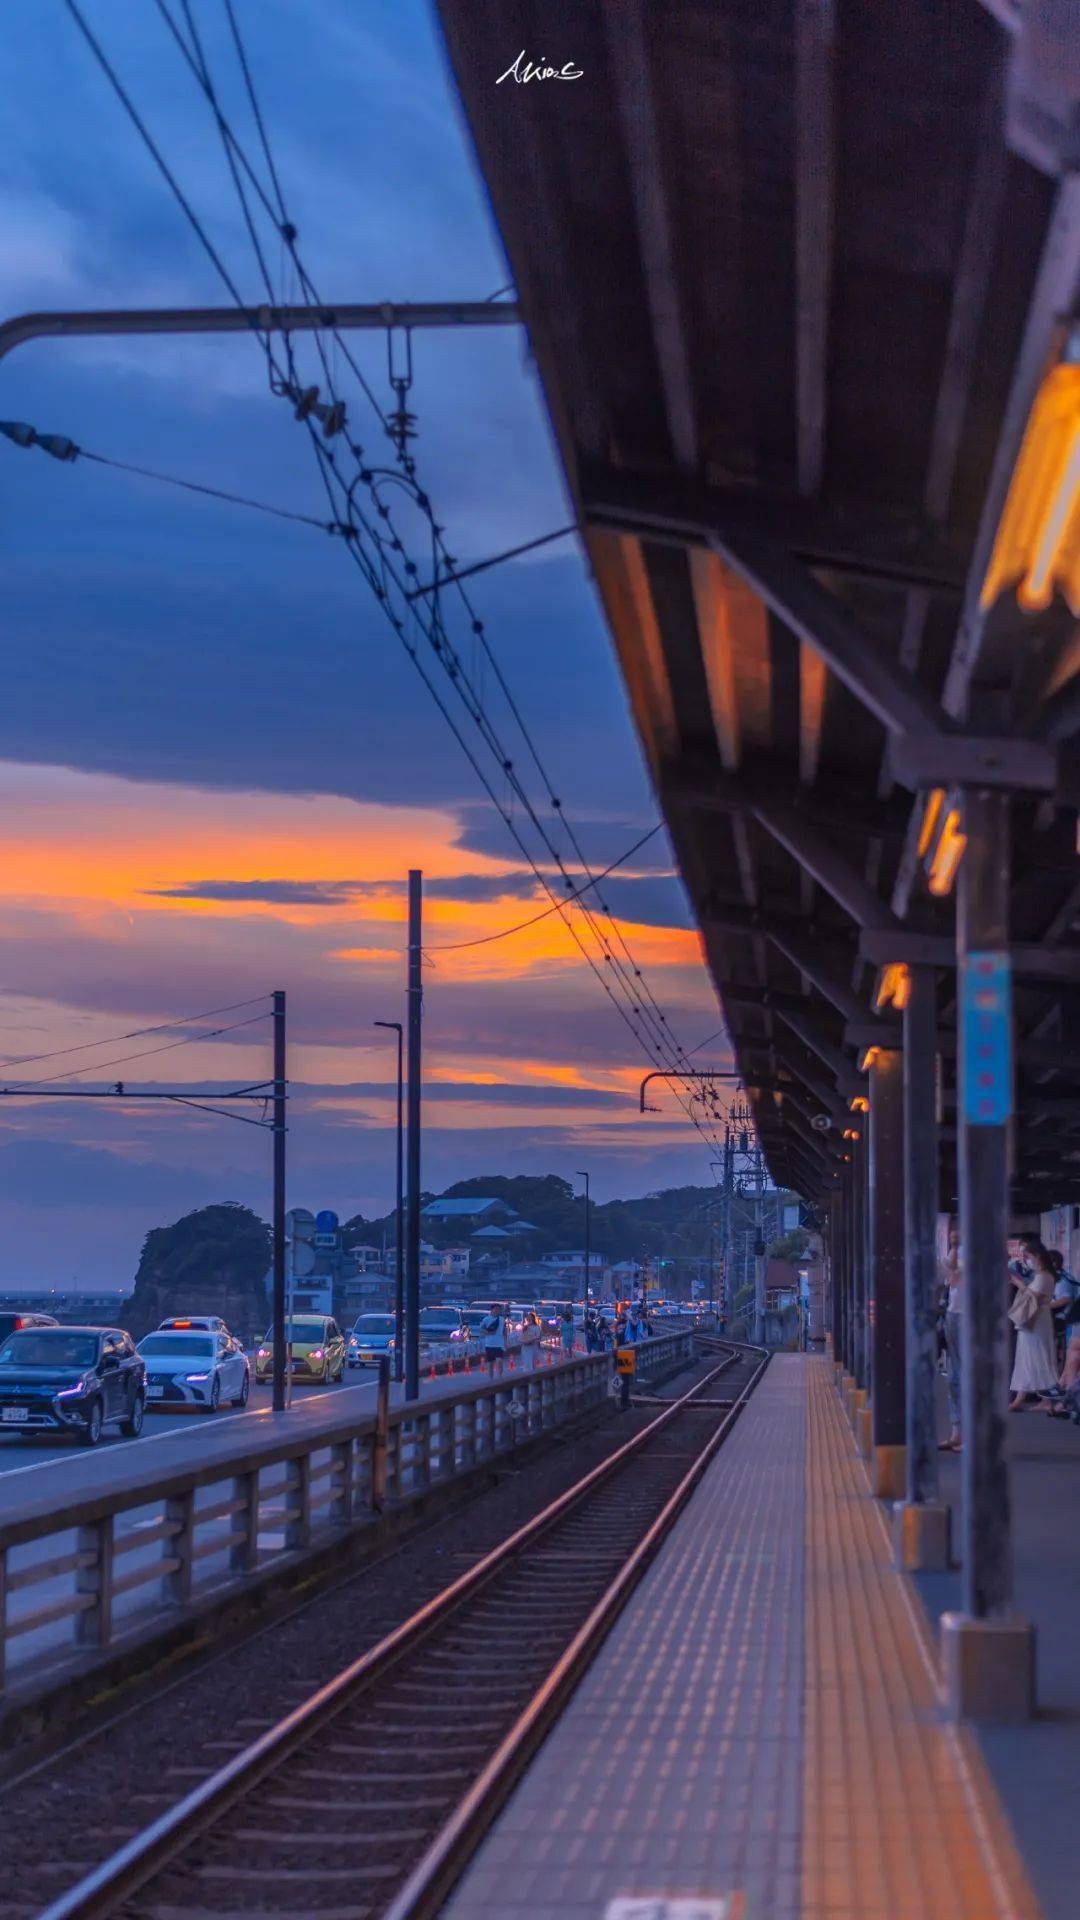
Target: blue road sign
326,1221
986,1020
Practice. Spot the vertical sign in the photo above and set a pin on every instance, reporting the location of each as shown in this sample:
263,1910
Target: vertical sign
986,1017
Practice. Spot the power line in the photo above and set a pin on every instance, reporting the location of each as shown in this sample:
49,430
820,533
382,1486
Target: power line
459,946
645,1018
137,1033
62,448
145,1053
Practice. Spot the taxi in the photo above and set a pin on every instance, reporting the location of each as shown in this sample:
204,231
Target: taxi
316,1349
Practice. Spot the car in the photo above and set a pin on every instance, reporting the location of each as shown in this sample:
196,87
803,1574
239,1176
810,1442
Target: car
371,1337
440,1325
194,1368
76,1380
316,1347
473,1319
15,1322
194,1322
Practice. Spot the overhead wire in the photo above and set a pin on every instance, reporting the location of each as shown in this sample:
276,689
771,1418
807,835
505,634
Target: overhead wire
486,940
144,1053
645,1018
136,1033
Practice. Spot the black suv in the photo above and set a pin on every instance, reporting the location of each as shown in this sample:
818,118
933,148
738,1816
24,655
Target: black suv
71,1380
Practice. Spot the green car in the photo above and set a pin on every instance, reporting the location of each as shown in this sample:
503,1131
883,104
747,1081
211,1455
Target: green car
316,1348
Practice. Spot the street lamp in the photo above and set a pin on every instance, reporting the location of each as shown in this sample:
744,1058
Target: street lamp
582,1175
395,1026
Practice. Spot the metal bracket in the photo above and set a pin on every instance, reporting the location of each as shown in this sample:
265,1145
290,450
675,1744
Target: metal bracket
973,760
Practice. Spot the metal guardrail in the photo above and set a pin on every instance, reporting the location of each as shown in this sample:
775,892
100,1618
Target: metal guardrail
83,1574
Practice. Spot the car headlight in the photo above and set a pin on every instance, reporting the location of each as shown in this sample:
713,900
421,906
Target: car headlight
317,1353
193,1377
263,1353
81,1386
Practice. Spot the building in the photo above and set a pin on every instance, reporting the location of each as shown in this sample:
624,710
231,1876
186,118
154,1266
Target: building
468,1209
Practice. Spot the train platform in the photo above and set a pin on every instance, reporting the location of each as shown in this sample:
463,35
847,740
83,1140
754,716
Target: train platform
760,1737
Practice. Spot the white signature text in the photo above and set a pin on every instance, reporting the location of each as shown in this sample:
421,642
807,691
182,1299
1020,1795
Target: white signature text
523,70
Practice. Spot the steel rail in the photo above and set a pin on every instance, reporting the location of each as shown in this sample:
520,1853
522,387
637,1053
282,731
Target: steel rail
98,1893
434,1876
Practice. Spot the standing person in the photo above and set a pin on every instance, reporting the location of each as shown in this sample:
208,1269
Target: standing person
530,1340
603,1334
566,1328
1035,1367
1066,1293
951,1279
592,1337
493,1330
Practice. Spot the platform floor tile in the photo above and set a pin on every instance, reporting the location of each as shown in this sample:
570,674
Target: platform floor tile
763,1721
677,1768
899,1819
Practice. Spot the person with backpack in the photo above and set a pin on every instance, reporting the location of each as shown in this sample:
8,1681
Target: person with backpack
493,1332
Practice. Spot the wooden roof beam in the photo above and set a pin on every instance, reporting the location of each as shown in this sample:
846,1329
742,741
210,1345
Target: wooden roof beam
815,27
633,65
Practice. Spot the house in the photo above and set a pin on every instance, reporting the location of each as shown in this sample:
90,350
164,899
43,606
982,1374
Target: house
450,1263
490,1233
479,1208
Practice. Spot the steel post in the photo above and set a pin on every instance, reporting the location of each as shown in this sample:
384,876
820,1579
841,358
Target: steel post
920,1228
279,1360
885,1191
982,934
988,1651
412,1204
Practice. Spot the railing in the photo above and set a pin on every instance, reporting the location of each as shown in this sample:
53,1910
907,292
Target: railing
86,1573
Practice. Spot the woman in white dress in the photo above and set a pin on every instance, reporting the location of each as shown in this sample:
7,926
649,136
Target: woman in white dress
1035,1366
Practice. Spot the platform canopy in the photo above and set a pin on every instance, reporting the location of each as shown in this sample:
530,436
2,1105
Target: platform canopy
795,277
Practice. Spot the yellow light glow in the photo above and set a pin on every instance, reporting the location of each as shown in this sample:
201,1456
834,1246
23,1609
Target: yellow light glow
947,854
935,800
852,1133
894,986
869,1056
859,1103
1037,546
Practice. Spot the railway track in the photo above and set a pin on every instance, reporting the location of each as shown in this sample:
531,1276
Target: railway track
368,1800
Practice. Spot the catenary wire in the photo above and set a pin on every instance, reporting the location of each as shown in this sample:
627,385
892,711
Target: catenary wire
662,1039
459,946
136,1033
144,1053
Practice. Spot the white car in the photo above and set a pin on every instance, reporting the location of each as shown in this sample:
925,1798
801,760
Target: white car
194,1368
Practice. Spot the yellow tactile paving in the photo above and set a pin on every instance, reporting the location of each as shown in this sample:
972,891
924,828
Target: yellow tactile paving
900,1821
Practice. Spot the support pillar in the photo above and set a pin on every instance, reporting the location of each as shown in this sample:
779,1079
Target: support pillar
861,1271
988,1650
921,1521
885,1193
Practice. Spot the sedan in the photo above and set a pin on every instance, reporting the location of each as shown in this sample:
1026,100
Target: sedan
76,1380
191,1368
316,1349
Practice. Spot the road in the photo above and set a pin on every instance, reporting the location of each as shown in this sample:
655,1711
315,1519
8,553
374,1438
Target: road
55,1451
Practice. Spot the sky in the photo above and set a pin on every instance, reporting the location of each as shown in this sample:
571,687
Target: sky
217,761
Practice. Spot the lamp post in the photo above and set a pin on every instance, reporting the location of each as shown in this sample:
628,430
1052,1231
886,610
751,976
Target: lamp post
395,1026
582,1175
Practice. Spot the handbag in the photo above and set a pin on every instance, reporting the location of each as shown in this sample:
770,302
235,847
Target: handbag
1024,1309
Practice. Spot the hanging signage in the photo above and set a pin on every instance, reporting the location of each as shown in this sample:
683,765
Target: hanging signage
986,1025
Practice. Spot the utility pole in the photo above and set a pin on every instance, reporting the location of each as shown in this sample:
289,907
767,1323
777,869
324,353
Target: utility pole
412,1204
582,1175
279,1202
399,1233
759,1253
